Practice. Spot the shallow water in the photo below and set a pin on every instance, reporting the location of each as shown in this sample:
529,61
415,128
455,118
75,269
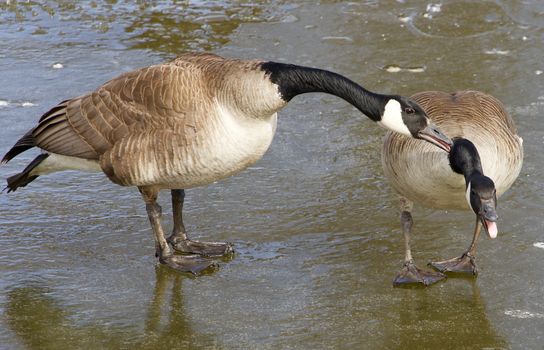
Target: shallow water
314,222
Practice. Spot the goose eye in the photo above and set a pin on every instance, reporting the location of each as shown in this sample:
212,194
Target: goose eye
409,110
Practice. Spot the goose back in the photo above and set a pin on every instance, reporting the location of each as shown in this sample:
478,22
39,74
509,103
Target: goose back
196,119
422,173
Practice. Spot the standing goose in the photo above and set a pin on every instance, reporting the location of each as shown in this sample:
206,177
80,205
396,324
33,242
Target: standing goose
187,123
474,173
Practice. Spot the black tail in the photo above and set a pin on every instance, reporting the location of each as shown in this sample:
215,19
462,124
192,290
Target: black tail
24,143
24,178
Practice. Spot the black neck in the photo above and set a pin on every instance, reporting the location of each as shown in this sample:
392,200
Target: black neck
464,159
295,80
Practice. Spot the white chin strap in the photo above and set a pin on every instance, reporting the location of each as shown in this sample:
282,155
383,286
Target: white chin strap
392,118
467,195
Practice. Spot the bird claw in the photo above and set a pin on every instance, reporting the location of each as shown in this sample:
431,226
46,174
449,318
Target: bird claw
464,264
208,249
411,274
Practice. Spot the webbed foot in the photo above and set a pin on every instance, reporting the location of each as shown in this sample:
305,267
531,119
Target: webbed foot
194,264
411,274
210,249
463,264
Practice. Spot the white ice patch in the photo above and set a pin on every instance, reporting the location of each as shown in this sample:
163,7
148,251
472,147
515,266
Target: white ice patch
432,9
392,118
523,314
4,103
337,39
393,68
415,69
495,51
58,66
539,245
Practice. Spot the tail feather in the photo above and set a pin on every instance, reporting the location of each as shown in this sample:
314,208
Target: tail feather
24,178
24,143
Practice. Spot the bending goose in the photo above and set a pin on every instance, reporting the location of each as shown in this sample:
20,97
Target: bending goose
436,180
188,123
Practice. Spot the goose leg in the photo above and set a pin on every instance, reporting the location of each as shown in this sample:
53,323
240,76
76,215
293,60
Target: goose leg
410,273
464,263
182,243
185,263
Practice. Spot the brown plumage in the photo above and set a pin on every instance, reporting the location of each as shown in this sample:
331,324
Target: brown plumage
142,116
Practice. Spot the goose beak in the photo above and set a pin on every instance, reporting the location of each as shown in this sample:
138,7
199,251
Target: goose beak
433,135
488,216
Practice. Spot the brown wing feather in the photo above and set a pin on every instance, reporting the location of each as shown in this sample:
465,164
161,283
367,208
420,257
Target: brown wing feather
55,134
150,157
24,143
90,125
467,104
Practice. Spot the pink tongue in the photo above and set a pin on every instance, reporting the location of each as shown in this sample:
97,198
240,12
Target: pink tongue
491,229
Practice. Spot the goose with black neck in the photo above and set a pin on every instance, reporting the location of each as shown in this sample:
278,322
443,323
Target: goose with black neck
188,123
484,162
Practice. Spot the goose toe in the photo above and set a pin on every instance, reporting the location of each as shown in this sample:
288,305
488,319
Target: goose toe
208,249
464,264
412,275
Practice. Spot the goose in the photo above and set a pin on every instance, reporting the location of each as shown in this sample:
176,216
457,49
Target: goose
187,123
484,161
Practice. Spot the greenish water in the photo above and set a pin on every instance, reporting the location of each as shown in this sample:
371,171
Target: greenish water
314,223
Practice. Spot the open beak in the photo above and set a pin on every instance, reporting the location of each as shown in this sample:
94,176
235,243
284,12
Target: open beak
488,216
433,135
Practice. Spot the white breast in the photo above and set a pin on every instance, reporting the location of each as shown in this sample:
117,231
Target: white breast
424,176
231,144
421,172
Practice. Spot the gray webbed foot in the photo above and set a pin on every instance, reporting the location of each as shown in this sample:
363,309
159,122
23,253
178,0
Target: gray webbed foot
209,249
411,274
464,264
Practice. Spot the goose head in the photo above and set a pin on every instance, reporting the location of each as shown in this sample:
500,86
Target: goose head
482,198
481,193
406,117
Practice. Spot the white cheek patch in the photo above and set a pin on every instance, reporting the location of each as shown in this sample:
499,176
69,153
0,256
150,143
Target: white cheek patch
392,118
467,196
